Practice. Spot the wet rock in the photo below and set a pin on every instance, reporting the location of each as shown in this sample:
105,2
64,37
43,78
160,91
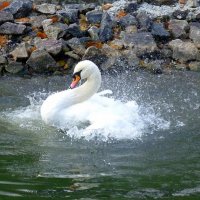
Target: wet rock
14,67
52,46
76,45
41,61
142,42
194,66
94,32
82,8
117,44
5,17
184,51
180,14
94,17
11,28
72,55
127,20
158,30
131,57
46,8
131,29
69,15
95,55
106,32
144,21
2,60
20,51
74,31
178,28
20,8
195,33
55,30
36,21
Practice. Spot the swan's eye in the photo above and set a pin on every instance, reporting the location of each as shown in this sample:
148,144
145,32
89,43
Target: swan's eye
77,74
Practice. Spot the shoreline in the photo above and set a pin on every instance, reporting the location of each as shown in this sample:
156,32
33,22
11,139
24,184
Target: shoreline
50,39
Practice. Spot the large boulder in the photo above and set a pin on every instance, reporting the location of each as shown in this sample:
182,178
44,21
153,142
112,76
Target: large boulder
12,29
41,61
184,51
195,33
20,51
5,17
20,8
142,42
14,67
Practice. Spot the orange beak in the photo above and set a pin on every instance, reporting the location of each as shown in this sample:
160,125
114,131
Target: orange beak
75,81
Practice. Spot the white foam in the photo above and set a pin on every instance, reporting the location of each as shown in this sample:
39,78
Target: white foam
101,116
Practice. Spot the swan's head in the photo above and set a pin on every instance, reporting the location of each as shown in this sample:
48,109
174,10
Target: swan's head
83,70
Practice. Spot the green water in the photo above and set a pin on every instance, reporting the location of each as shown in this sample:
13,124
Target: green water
41,162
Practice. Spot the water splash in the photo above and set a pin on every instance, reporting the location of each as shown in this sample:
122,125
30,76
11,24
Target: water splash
101,117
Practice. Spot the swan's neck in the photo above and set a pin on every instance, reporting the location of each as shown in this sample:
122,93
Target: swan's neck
89,88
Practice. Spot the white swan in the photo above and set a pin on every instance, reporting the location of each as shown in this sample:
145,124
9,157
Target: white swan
56,104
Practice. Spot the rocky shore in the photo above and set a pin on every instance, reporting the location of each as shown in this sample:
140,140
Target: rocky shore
46,38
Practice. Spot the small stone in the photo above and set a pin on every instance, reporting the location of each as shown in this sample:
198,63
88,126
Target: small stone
76,45
180,14
52,46
14,67
94,32
106,32
184,51
74,31
131,29
5,17
41,61
131,7
127,20
195,33
9,28
178,28
180,66
20,51
20,8
158,30
69,15
194,66
36,21
131,57
94,17
46,8
55,30
72,55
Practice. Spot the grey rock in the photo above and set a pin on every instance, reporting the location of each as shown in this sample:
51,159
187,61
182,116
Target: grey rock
143,42
5,17
195,33
131,7
144,21
158,30
94,17
20,8
14,67
41,61
72,55
127,20
74,31
82,8
106,32
11,28
36,21
94,32
178,28
55,30
46,8
76,45
52,46
131,57
69,15
184,51
20,51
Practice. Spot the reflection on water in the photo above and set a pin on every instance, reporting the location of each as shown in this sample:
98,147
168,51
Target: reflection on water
38,161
